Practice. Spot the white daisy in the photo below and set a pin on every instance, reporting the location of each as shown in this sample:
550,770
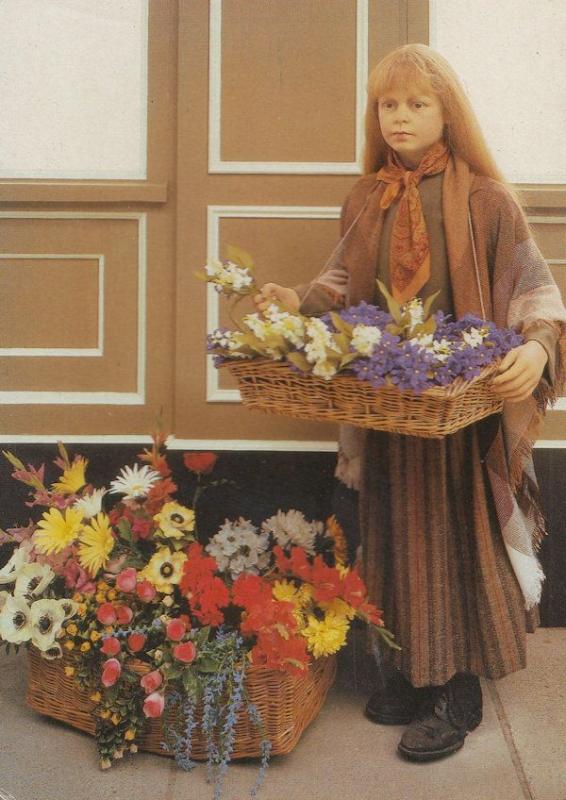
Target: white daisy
90,504
473,337
15,620
239,547
47,617
19,558
33,579
292,528
364,338
134,483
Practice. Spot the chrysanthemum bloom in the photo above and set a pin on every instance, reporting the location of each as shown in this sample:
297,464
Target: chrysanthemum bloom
164,569
134,483
175,521
292,529
90,504
326,636
96,544
15,620
57,531
33,579
73,478
46,617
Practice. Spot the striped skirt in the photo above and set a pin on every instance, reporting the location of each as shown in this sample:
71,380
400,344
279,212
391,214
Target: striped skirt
434,560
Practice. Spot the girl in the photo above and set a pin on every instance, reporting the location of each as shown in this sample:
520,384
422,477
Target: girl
449,528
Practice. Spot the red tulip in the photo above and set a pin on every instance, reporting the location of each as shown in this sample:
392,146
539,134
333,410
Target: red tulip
176,629
151,681
146,591
124,615
106,614
154,704
110,672
136,641
127,579
202,463
185,652
110,646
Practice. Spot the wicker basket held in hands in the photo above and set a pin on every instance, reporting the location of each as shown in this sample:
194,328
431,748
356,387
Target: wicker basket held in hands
275,388
287,705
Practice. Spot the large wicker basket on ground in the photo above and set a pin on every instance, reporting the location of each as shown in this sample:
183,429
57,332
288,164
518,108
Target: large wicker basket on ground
287,705
275,388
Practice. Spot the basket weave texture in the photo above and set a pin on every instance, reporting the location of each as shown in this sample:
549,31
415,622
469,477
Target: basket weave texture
275,388
287,705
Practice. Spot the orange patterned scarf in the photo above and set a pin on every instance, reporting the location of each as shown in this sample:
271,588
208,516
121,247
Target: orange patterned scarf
409,261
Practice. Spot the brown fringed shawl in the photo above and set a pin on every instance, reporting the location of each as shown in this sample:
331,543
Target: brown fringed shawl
506,280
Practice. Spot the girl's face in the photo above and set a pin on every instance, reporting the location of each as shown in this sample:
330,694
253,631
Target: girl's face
419,115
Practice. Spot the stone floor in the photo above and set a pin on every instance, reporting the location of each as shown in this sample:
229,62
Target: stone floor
518,753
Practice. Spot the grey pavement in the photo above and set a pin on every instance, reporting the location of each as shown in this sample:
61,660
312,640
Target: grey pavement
517,753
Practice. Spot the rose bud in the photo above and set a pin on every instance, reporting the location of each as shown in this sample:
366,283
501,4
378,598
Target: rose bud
185,652
136,641
127,579
110,646
124,615
154,704
111,672
176,629
145,591
201,463
106,614
151,681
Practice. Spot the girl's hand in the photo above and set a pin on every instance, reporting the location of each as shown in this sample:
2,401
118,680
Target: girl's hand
520,371
273,291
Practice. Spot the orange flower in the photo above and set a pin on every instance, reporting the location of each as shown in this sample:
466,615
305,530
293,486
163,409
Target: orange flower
201,463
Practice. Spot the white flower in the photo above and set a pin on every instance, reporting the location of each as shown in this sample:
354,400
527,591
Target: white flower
424,340
33,579
442,349
15,620
364,338
52,652
292,528
473,338
227,276
259,327
324,369
291,328
320,341
3,597
47,617
136,482
416,311
18,560
239,547
90,504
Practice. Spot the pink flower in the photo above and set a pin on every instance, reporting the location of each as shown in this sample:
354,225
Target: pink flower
110,672
154,704
176,629
106,614
151,681
185,652
124,615
127,579
136,641
76,577
142,528
145,591
110,646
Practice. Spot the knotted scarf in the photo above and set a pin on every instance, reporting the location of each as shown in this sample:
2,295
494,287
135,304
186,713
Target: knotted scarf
409,261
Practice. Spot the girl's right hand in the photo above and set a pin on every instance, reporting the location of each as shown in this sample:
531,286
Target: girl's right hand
273,291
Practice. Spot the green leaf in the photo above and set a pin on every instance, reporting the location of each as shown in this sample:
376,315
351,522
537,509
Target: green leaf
341,324
63,452
300,361
202,637
347,359
125,530
207,664
190,683
392,304
428,303
343,342
201,276
239,256
15,462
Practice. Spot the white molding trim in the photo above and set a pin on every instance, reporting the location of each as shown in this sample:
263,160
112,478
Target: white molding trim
96,398
560,404
214,394
546,220
215,162
58,352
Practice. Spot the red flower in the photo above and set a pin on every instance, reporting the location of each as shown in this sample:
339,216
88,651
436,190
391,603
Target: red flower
106,614
127,579
159,494
297,563
142,528
111,670
372,613
277,652
201,463
185,652
326,580
176,629
154,704
276,614
124,615
354,590
136,641
151,681
249,590
110,646
145,591
206,593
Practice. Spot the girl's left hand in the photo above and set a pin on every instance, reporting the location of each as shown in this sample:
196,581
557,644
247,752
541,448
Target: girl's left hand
520,371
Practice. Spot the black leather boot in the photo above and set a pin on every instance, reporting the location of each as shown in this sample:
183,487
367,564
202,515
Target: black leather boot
397,702
457,710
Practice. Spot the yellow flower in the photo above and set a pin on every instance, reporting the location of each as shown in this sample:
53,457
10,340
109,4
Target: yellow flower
339,607
285,590
96,697
96,544
57,531
129,735
72,629
326,636
335,531
69,671
81,610
112,594
102,586
95,636
77,597
69,645
73,478
105,713
116,718
175,521
85,647
100,597
164,569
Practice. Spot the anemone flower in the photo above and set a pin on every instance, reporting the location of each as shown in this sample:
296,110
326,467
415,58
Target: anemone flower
33,579
15,620
47,617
